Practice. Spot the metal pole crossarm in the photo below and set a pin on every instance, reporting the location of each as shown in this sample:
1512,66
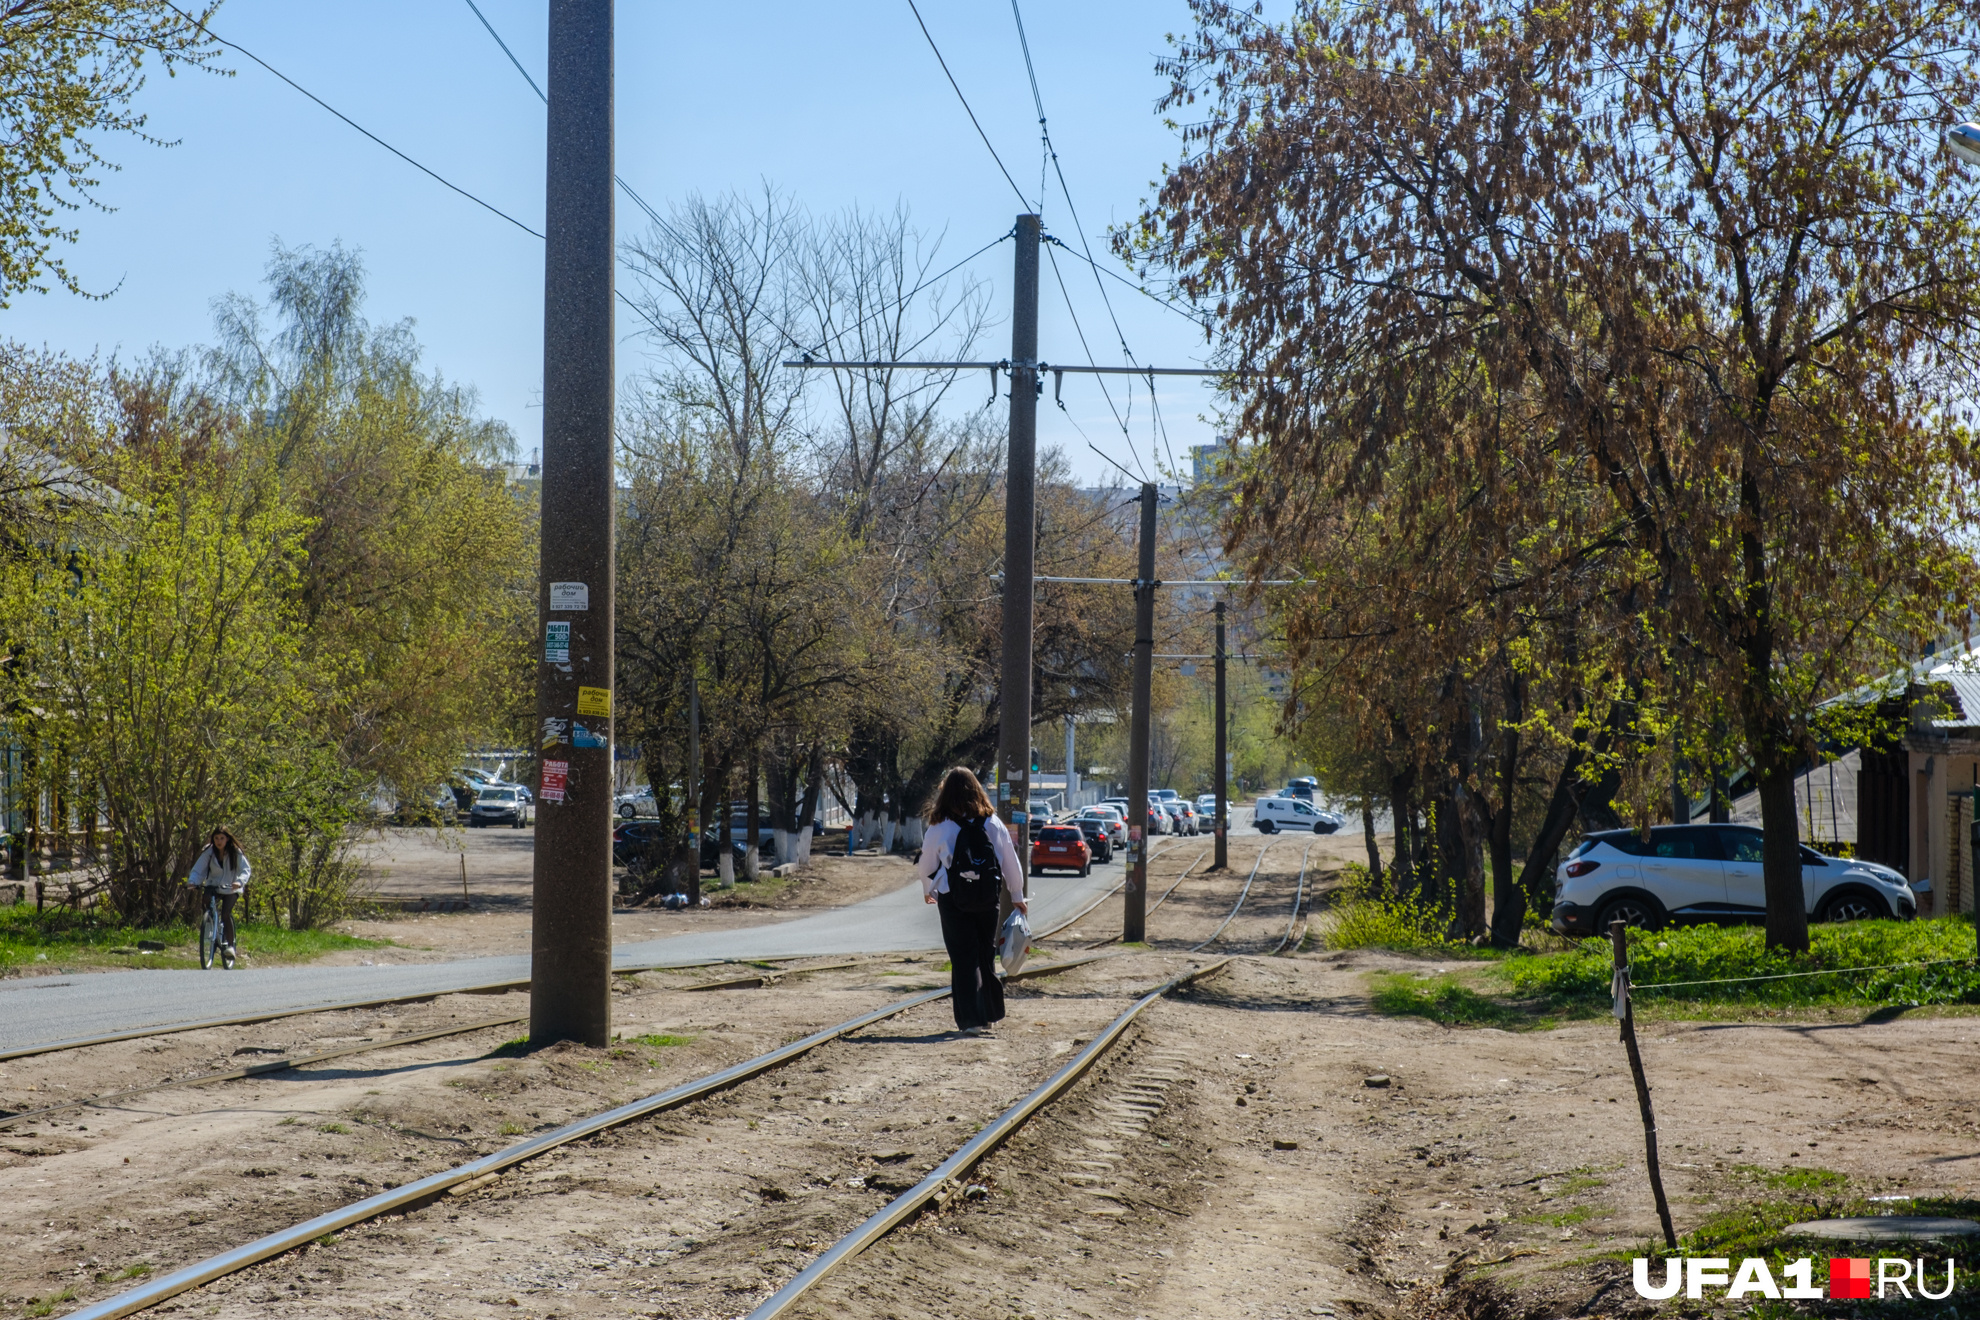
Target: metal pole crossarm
1171,582
1005,365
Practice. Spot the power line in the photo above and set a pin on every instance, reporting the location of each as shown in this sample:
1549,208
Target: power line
1081,332
1200,321
1046,156
904,298
965,104
432,174
625,187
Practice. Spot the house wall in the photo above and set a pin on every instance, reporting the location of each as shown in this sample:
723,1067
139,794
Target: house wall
1945,769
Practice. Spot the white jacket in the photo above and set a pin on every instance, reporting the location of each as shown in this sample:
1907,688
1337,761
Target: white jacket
938,848
213,872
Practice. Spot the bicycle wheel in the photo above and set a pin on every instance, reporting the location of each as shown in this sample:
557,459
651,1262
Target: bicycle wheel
209,931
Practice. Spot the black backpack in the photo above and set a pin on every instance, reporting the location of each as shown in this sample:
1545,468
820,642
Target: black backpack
974,873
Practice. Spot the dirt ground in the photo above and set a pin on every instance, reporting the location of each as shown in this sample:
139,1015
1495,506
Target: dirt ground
1231,1159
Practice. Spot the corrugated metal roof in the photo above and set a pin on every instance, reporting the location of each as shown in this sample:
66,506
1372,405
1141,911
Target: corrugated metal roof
1824,797
1963,677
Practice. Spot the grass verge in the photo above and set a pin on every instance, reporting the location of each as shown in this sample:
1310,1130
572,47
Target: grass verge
61,941
1541,990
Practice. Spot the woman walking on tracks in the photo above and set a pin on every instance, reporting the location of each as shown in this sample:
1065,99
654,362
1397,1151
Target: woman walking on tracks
966,857
223,866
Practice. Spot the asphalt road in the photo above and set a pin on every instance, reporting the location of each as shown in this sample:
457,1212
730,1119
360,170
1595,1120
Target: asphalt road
37,1011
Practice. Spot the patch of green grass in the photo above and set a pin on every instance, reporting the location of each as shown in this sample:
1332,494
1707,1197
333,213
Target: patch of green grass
1581,1214
1575,1184
510,1049
511,1129
334,1129
662,1042
58,939
1793,1180
46,1305
135,1270
1720,953
1449,1002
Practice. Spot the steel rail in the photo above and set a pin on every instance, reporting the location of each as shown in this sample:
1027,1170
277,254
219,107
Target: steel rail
1089,909
154,1291
908,1203
1299,895
264,1066
1242,895
1163,899
340,1006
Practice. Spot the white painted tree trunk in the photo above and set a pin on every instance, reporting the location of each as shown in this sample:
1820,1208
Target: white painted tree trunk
752,864
781,840
725,866
887,835
803,846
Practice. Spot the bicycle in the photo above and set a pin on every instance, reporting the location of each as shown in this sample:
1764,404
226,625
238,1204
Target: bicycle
211,929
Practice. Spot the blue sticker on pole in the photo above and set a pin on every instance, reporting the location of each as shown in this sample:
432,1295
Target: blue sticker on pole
583,737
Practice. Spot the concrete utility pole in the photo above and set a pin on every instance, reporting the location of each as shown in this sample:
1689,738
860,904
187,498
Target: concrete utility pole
1135,927
571,926
1020,519
1223,755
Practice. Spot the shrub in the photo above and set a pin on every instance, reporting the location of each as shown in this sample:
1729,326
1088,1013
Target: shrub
1368,916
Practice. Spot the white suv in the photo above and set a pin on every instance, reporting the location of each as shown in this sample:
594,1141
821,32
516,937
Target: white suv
1690,873
1272,814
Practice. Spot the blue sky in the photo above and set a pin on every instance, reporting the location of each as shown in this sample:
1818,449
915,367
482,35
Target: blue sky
835,104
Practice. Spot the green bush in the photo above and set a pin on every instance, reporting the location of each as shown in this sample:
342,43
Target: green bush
1368,916
1709,953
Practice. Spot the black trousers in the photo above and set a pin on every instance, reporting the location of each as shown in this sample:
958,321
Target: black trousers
227,902
971,939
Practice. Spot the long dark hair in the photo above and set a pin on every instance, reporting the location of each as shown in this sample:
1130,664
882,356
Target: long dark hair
961,798
233,849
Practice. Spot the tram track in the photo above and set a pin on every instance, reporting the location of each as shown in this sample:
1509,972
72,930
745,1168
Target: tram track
474,1176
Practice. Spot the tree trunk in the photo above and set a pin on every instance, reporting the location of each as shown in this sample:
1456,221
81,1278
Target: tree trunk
1787,909
753,820
1368,838
1508,899
1403,846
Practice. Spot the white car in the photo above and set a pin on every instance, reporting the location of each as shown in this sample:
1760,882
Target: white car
1269,815
1691,873
1206,804
1115,821
502,804
639,802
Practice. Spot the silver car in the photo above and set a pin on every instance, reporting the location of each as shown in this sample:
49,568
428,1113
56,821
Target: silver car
502,804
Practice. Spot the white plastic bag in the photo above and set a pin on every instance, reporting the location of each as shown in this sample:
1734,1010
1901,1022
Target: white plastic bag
1014,943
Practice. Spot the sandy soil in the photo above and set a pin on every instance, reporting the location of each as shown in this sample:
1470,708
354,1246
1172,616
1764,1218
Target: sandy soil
1230,1160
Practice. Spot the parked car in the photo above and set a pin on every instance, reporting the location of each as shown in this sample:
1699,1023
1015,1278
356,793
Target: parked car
1113,818
502,804
1192,822
1206,805
638,802
435,807
632,841
1098,841
1159,821
1269,815
1700,873
1061,848
1163,794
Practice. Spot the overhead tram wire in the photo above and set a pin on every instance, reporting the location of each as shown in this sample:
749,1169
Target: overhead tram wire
965,103
435,175
1100,380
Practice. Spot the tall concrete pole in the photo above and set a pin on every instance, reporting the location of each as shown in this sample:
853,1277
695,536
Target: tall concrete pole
571,926
1135,927
1223,755
1020,520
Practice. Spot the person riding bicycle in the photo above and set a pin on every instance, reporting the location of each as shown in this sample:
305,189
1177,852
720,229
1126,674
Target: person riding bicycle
223,867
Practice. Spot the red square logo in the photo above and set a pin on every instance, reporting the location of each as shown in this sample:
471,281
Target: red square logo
1849,1278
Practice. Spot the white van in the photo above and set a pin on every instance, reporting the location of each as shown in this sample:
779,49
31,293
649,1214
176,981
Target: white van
1272,814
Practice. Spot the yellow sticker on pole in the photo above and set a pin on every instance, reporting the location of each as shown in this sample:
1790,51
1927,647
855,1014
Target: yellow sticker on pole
594,701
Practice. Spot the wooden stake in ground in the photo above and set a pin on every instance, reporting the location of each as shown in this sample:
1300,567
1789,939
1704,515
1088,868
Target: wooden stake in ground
1618,937
464,888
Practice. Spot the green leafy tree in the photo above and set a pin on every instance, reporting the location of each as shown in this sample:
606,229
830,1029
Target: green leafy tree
69,70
